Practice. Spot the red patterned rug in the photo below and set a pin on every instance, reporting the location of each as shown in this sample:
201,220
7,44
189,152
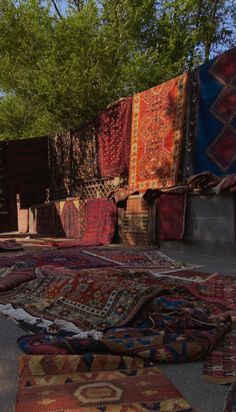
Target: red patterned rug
89,298
157,132
70,218
101,218
171,216
114,138
73,388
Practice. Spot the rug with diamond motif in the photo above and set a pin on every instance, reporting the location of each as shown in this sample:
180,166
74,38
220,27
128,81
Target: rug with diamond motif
211,139
66,383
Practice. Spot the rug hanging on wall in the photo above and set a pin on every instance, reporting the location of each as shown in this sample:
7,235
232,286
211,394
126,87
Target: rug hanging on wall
119,390
157,132
171,216
213,139
114,138
84,157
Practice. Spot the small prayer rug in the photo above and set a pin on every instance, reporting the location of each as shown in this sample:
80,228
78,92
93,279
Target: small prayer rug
118,390
220,364
171,216
230,402
157,132
114,138
134,222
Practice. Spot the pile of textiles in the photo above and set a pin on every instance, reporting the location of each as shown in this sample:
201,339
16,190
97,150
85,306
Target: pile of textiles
110,309
171,316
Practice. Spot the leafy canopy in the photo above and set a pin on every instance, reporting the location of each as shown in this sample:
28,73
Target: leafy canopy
61,62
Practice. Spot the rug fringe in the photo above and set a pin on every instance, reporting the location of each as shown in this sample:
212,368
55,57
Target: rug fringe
21,314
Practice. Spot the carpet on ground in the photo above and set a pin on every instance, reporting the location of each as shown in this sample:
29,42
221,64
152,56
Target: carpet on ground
94,389
114,138
214,141
89,298
132,258
157,132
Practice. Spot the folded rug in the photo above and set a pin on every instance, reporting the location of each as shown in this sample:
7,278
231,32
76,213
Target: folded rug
94,389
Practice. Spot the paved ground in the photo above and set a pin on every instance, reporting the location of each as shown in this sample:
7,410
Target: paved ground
186,377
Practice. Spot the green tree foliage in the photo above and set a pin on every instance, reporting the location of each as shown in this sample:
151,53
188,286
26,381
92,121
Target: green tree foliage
61,62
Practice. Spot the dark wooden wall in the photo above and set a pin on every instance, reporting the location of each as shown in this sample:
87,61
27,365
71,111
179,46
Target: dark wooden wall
27,174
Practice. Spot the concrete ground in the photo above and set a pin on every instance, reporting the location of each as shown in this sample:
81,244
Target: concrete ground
204,397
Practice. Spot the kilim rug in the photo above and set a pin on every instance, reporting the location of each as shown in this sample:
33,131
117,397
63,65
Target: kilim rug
171,216
134,222
118,390
157,123
114,138
230,402
214,145
220,365
89,298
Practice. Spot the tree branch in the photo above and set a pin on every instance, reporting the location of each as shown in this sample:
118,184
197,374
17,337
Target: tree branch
57,9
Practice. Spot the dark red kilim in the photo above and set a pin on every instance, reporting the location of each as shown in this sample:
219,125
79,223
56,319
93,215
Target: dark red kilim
171,216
